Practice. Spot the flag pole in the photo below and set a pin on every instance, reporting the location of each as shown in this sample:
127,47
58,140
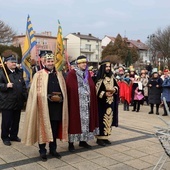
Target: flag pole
5,70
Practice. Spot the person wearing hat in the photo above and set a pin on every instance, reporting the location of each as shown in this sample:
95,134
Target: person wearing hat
41,59
72,64
154,92
82,104
107,95
166,90
125,91
13,94
149,68
46,111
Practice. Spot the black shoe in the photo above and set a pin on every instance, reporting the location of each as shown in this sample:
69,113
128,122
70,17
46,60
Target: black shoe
43,157
137,110
133,110
100,142
157,113
17,139
7,142
55,154
84,145
106,141
150,112
71,147
164,114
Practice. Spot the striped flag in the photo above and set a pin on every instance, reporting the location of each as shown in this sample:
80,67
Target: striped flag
59,49
29,43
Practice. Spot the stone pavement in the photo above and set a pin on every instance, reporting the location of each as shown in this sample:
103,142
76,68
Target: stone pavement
134,146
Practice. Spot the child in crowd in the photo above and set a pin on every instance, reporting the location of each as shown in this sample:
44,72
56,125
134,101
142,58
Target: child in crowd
137,94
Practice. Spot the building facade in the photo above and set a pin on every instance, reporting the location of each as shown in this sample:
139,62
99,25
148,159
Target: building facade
45,41
88,45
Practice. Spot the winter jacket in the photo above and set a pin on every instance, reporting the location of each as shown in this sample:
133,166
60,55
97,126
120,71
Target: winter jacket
12,98
166,89
154,92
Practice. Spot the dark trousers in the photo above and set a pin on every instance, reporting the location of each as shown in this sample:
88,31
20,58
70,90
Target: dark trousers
10,124
136,105
146,99
126,105
157,107
52,145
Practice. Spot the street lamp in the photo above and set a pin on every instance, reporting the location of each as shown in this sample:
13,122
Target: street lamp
150,39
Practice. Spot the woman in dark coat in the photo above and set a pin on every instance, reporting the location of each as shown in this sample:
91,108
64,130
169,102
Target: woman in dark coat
154,92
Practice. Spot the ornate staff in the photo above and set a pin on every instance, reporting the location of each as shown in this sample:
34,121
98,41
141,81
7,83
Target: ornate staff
5,70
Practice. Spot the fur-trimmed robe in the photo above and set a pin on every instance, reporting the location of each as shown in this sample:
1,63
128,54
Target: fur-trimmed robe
37,127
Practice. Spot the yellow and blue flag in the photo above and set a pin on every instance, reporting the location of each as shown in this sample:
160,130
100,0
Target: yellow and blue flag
59,53
29,43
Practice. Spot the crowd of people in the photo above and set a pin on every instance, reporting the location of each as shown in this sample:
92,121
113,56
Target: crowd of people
148,86
74,106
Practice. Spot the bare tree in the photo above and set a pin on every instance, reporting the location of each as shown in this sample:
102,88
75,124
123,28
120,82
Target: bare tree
161,43
6,33
114,59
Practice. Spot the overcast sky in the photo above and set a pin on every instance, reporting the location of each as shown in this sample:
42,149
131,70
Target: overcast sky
135,19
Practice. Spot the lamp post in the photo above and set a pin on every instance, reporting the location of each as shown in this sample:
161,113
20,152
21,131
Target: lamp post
150,38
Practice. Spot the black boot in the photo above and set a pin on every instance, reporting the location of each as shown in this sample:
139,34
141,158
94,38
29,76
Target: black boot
134,106
151,112
138,106
124,106
71,147
43,152
107,142
127,107
100,142
84,145
55,154
157,109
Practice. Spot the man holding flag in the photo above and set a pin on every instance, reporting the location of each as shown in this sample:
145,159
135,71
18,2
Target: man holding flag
13,94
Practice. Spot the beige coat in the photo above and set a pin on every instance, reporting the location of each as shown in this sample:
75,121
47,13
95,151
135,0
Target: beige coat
145,85
37,127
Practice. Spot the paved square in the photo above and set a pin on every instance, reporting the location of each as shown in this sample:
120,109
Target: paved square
134,146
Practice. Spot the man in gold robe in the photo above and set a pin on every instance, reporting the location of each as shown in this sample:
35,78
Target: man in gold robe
46,116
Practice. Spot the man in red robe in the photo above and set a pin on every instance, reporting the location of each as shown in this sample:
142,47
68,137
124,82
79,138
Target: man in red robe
82,105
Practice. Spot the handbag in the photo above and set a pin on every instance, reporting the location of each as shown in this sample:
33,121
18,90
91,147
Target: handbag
140,96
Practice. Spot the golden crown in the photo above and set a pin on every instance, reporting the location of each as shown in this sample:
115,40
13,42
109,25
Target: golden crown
49,56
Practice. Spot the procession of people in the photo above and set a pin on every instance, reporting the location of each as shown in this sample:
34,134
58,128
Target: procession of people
76,105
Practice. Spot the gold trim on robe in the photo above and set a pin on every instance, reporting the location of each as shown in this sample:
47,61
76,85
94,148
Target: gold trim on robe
37,127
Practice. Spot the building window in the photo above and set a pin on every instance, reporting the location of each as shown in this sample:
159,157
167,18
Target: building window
45,42
97,47
88,57
97,56
88,40
38,41
88,47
